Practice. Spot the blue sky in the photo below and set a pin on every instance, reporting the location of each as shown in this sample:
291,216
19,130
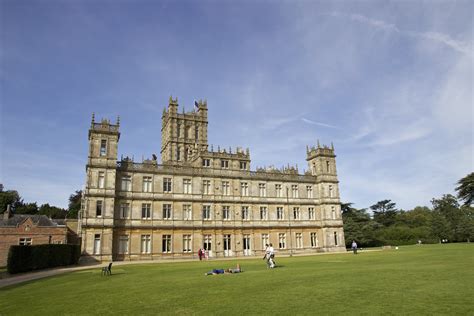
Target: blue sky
389,83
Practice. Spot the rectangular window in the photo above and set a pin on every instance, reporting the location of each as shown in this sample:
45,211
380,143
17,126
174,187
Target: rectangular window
166,243
126,183
263,213
97,244
166,211
225,188
294,191
333,212
299,240
98,208
314,240
206,186
282,240
227,244
335,239
280,214
146,211
278,190
24,242
147,184
196,132
187,186
296,213
101,180
207,242
246,245
264,241
244,189
186,243
311,214
167,185
178,153
187,213
328,169
206,212
103,147
262,189
243,165
245,213
123,244
226,213
331,193
206,162
309,191
225,164
146,244
124,210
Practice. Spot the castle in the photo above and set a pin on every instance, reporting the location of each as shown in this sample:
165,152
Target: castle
199,197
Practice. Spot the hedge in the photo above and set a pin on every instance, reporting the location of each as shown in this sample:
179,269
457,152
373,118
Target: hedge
28,258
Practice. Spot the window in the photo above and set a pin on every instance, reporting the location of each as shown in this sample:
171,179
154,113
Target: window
166,211
328,169
103,147
282,240
178,130
123,244
243,165
311,213
206,212
278,190
166,243
146,210
206,186
225,164
333,212
187,213
264,240
126,183
225,188
330,191
98,208
262,189
101,181
246,245
178,153
196,132
97,244
227,245
245,213
206,162
226,213
314,240
167,185
244,189
24,242
147,184
335,239
124,210
187,186
309,191
296,213
207,242
186,243
299,240
294,190
263,213
146,244
280,213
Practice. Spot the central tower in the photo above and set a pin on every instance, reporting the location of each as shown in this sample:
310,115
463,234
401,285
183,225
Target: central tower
183,134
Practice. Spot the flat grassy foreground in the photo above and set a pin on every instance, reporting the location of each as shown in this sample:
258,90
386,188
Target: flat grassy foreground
416,280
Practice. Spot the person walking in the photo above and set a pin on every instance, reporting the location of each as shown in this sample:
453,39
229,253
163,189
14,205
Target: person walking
200,254
354,247
271,260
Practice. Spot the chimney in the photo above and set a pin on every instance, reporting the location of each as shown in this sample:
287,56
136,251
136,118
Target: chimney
7,214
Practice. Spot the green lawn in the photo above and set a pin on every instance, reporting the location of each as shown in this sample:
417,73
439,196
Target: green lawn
416,280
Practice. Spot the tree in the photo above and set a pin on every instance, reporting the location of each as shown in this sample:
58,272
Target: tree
384,212
10,197
358,226
26,208
465,189
440,226
448,207
74,204
466,223
52,211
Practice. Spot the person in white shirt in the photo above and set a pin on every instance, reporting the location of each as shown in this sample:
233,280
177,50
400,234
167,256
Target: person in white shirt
271,252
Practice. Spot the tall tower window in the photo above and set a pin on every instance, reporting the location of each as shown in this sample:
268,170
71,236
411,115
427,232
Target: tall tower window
98,208
101,179
333,212
178,153
103,147
328,169
196,132
335,239
331,193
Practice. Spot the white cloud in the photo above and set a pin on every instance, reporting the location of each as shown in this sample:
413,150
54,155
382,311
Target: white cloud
317,123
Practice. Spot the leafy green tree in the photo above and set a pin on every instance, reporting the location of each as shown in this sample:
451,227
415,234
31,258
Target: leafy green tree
384,212
358,226
465,189
74,204
418,217
26,208
440,227
10,197
466,223
448,207
52,211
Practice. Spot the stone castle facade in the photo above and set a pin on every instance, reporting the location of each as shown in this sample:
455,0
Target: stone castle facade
198,197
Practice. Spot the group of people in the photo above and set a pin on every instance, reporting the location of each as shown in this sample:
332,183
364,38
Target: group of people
203,254
223,271
269,256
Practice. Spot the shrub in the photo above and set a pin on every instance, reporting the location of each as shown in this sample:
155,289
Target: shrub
28,258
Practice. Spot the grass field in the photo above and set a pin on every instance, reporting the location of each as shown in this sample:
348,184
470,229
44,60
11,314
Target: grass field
416,280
